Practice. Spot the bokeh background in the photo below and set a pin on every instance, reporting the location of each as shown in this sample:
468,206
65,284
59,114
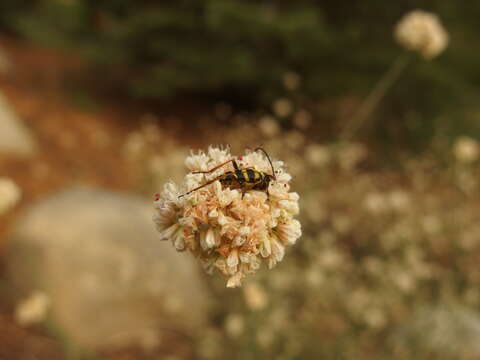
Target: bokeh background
100,102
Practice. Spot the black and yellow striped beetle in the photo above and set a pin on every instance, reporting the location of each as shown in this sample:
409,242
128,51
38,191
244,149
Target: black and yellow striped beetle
243,179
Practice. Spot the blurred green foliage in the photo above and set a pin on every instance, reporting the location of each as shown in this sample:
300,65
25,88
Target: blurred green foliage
229,49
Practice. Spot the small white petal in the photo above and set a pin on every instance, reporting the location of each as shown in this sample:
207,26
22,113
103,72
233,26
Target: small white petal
278,250
284,178
289,232
244,257
170,192
293,196
222,219
221,264
218,189
238,241
231,270
244,230
179,242
265,248
168,233
255,262
210,239
232,259
203,241
289,206
197,162
208,265
271,262
235,280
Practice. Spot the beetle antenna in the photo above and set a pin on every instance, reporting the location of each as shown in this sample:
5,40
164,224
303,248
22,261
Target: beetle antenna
269,160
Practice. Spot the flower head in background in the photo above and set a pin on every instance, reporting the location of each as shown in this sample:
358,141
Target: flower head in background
228,232
282,107
423,32
466,149
10,194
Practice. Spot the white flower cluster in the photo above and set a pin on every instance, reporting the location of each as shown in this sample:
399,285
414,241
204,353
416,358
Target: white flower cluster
225,230
423,32
10,194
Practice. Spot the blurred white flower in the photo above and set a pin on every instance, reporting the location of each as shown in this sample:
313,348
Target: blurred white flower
10,194
399,200
342,223
33,309
446,331
234,325
358,300
431,224
330,259
134,145
375,317
282,107
269,126
404,280
314,277
255,296
150,130
228,232
317,155
291,81
466,149
302,119
373,265
375,202
423,32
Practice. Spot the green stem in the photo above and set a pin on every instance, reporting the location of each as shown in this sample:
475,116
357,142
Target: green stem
366,108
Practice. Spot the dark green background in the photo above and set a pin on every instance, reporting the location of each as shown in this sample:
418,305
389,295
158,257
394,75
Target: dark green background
238,51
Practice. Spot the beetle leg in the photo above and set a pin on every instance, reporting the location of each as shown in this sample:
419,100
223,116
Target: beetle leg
201,186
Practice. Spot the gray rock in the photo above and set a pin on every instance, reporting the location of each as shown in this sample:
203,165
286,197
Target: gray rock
14,136
111,281
444,331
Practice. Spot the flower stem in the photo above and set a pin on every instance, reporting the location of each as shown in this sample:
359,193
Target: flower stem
366,108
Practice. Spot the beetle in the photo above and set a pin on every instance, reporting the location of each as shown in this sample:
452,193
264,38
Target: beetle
243,179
